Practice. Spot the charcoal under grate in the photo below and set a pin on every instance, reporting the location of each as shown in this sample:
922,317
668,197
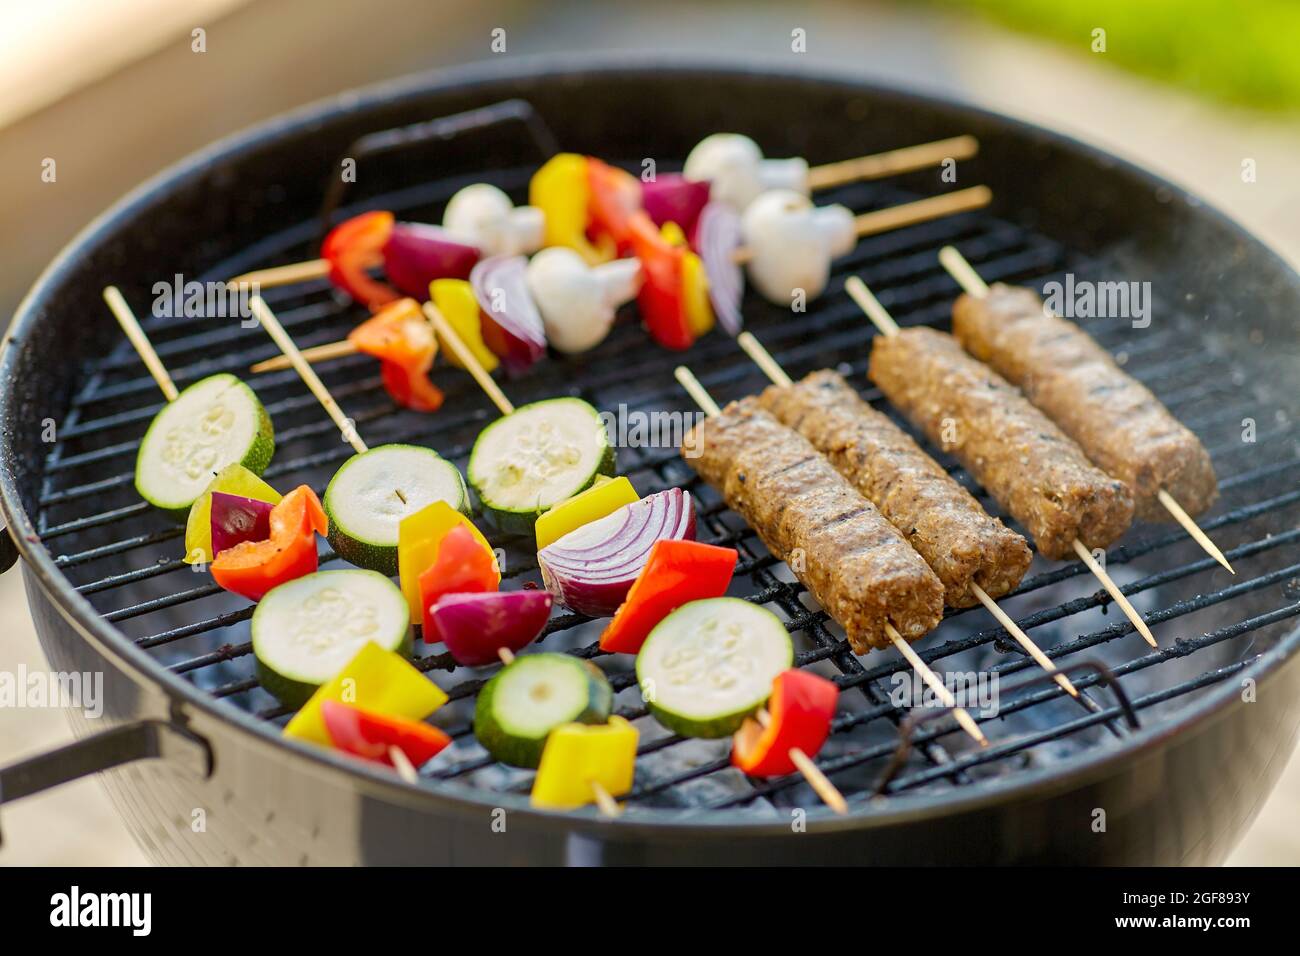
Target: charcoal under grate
125,557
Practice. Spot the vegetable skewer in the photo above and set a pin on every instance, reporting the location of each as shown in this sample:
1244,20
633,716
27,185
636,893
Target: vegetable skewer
216,422
771,253
867,452
1173,453
1050,530
874,166
605,801
702,398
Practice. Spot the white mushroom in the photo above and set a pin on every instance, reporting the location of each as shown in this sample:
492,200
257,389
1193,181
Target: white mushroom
578,301
791,243
483,216
736,171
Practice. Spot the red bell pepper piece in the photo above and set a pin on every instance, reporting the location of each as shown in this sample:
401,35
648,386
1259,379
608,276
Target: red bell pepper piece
403,341
676,573
367,734
662,307
352,248
802,706
614,197
463,565
252,568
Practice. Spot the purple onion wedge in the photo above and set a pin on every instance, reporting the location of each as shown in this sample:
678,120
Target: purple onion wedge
591,569
671,197
717,236
512,326
476,626
417,253
236,519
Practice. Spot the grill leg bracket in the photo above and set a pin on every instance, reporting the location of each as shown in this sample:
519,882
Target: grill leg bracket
144,740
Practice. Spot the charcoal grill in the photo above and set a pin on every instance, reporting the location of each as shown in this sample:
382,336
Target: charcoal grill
1172,750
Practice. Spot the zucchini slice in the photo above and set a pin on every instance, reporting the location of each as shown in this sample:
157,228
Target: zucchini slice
710,664
532,696
217,421
372,492
307,629
543,453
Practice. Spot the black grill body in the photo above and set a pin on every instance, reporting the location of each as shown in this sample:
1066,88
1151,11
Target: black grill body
107,594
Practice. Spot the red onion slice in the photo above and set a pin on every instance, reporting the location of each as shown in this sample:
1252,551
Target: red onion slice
717,237
476,626
671,197
417,253
236,519
512,326
591,569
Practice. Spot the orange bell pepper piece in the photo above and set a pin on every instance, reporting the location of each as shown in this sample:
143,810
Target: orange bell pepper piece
254,567
403,341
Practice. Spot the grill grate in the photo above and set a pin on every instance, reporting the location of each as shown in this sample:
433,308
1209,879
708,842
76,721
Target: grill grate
121,554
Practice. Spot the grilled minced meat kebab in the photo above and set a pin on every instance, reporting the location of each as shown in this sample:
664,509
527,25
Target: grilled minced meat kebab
854,562
1034,470
1115,419
937,516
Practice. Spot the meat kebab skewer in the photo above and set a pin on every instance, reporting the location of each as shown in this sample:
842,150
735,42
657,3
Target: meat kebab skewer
1116,419
961,542
1031,467
853,561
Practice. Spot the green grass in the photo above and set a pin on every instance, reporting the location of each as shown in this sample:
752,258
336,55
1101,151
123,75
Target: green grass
1247,53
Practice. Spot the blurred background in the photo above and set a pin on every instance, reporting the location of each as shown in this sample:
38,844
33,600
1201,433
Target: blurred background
115,92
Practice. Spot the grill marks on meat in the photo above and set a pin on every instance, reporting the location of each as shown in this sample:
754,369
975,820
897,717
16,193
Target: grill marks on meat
937,516
853,561
1027,463
1114,418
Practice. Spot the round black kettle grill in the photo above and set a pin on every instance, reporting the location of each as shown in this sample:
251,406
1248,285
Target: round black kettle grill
1164,759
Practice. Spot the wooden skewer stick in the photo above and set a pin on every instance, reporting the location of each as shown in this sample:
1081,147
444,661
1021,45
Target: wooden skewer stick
126,318
605,801
1113,590
772,369
931,679
282,339
892,163
317,353
291,274
467,358
402,764
974,285
702,398
863,296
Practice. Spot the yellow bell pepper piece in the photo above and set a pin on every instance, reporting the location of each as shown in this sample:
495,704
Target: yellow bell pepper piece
695,284
560,190
577,755
601,499
375,679
418,538
455,299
